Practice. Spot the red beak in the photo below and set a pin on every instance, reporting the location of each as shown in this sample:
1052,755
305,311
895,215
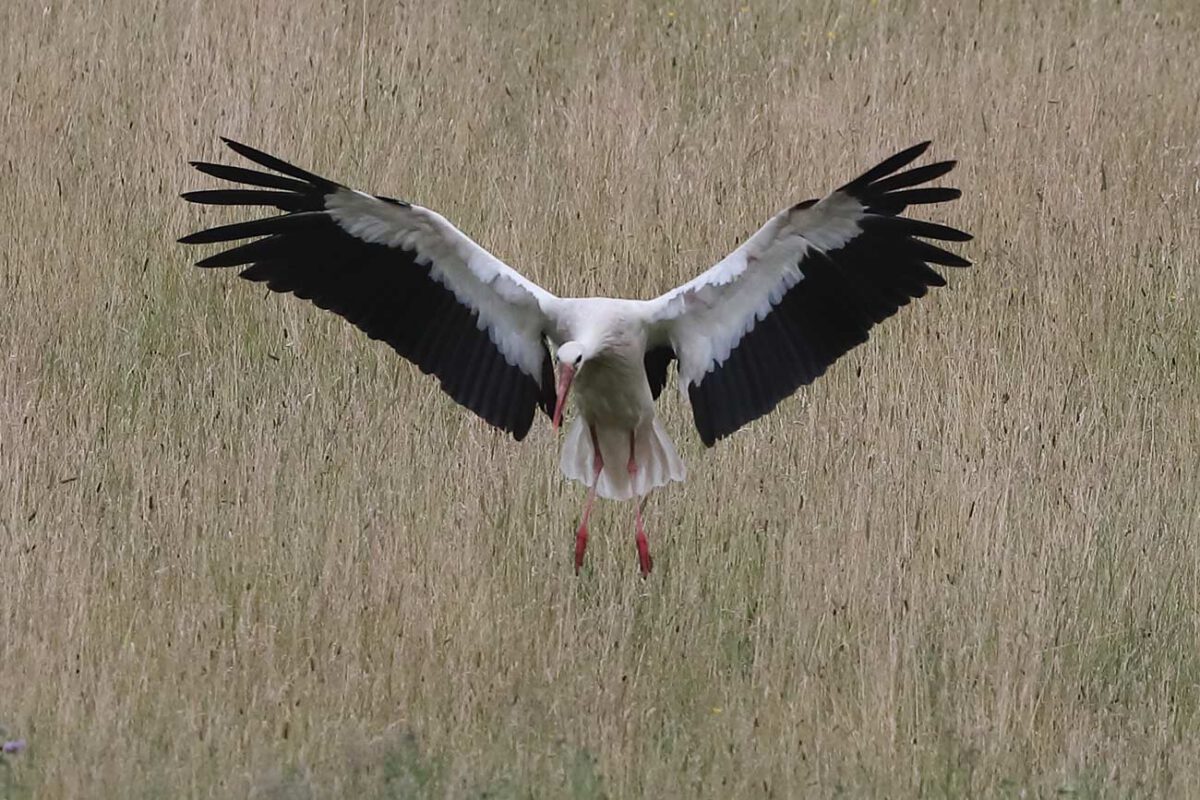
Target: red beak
566,374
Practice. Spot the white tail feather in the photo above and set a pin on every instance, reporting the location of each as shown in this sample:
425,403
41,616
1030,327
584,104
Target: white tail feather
657,462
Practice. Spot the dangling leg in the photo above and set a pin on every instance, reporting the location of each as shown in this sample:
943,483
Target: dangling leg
581,536
643,546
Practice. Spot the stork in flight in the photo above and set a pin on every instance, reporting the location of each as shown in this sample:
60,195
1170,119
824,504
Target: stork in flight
768,318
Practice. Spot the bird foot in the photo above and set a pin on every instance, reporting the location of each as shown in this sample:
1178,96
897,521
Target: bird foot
643,548
581,537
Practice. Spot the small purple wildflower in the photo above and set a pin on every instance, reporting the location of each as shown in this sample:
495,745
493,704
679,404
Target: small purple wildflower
13,747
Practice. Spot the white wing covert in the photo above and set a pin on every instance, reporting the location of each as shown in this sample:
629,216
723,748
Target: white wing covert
401,273
802,291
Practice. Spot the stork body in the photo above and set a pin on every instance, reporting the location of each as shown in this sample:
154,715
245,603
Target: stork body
613,400
611,333
744,335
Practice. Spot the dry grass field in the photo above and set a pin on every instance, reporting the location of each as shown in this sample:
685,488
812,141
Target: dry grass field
246,552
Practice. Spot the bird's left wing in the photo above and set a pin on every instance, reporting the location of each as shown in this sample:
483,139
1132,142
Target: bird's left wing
401,273
799,293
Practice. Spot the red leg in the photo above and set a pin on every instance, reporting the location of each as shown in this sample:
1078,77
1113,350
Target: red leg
581,536
643,546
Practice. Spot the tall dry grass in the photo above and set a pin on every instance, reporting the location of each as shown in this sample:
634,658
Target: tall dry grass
245,551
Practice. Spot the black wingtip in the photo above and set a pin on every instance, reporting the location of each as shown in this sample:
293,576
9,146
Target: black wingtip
889,165
910,153
237,146
246,151
212,262
269,161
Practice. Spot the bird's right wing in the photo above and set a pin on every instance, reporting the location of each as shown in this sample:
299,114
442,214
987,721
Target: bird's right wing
799,293
401,273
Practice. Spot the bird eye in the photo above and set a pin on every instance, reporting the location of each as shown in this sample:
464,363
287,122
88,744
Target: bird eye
579,359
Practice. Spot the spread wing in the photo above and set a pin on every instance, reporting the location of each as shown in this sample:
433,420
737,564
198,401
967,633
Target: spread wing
806,288
401,273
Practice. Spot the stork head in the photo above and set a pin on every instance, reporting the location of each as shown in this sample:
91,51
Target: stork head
570,359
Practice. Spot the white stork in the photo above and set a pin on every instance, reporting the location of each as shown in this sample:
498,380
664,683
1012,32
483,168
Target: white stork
768,318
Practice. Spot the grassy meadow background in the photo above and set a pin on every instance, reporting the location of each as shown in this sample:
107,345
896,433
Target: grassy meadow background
244,551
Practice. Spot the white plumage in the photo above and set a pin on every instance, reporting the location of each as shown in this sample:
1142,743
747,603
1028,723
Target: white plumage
766,319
